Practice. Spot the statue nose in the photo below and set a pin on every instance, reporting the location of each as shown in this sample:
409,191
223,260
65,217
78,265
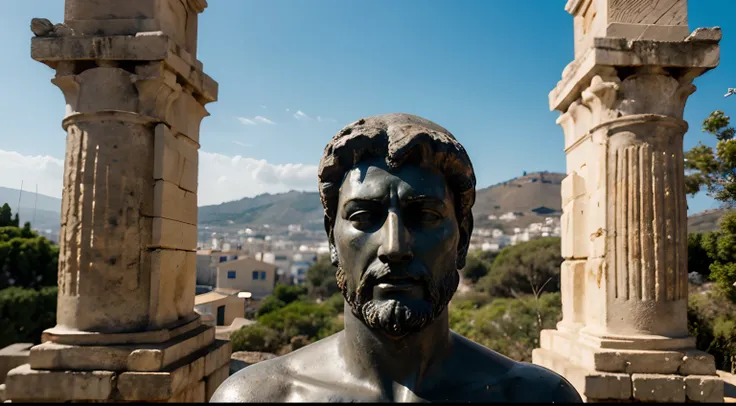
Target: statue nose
395,247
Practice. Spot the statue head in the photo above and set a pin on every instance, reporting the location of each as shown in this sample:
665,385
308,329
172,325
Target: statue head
397,192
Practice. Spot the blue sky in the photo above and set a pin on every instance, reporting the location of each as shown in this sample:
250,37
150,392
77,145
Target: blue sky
481,68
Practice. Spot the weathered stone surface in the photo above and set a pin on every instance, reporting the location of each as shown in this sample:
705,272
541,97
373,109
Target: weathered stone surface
171,234
696,362
163,355
175,159
160,385
573,229
704,388
658,388
572,289
25,383
214,380
12,356
218,356
590,384
193,394
174,203
173,281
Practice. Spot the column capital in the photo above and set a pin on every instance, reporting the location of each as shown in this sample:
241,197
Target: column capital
690,58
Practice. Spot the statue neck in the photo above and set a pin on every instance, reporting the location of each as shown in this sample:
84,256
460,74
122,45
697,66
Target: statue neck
382,360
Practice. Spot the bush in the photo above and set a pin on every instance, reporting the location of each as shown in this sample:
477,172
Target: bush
299,318
255,337
507,325
711,319
25,313
26,259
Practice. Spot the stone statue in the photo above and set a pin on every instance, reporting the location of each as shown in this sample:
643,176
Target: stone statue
397,191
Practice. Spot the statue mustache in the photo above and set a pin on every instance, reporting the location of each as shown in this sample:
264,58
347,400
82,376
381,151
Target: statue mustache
416,271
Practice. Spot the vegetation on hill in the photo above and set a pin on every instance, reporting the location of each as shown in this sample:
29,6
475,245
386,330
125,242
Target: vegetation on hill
28,269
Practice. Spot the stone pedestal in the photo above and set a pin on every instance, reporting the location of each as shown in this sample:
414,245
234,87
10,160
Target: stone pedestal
624,226
135,95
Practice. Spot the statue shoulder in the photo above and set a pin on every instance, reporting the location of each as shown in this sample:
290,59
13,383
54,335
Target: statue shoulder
549,386
267,381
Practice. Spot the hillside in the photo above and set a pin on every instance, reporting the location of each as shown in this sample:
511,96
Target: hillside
705,221
523,194
48,209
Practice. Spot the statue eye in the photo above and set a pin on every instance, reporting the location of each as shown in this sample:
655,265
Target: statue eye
361,218
429,216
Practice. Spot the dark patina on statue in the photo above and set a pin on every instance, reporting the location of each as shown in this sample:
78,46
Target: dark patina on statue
397,192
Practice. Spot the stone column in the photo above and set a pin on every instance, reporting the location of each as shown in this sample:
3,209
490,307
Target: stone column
624,333
135,96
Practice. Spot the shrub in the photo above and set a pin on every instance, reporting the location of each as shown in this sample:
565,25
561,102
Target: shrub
25,313
255,337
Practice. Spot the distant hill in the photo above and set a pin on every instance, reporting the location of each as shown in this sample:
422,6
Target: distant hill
705,221
47,213
535,195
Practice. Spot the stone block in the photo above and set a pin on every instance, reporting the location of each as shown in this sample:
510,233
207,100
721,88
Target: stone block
157,358
658,388
596,223
194,394
173,281
172,234
572,187
218,356
12,356
572,291
590,384
704,388
25,383
175,159
186,116
573,243
214,380
174,203
140,358
149,386
696,362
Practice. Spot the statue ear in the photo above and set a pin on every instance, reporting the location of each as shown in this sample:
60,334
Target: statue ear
466,230
331,241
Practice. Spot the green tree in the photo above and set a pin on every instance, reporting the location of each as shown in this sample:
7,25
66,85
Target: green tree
530,267
300,318
320,278
26,259
698,259
714,170
722,250
25,313
6,216
475,267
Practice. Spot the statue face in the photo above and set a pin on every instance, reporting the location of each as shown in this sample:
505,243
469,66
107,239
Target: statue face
396,236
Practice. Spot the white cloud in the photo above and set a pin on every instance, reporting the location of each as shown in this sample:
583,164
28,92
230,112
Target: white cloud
42,170
246,121
221,178
224,178
300,115
242,144
261,119
263,106
288,110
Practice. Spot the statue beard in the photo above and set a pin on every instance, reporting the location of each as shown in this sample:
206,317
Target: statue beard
398,318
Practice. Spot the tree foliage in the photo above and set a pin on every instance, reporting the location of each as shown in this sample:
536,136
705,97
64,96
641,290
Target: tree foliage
714,170
476,267
26,259
320,278
25,313
526,268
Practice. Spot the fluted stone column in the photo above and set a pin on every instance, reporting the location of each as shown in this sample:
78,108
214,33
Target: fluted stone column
135,96
624,333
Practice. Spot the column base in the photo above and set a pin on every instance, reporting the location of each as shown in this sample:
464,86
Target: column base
604,374
187,368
